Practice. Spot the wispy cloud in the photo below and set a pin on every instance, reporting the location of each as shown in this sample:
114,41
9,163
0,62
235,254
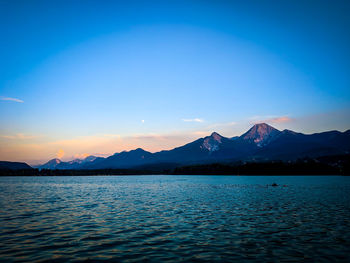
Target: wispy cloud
193,120
11,99
271,119
60,154
281,119
81,155
19,136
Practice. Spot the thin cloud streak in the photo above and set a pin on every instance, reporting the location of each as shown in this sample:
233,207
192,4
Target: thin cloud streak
19,136
282,119
271,119
11,99
193,120
81,156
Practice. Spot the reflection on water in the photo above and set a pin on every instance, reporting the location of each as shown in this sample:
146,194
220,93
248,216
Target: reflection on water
174,218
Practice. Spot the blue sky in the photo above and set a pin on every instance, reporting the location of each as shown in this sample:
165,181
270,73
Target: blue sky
98,77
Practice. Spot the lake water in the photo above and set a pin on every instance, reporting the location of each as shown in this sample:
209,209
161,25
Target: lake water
175,218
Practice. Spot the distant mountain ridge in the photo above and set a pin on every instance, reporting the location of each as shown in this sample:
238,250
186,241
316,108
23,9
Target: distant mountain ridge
262,142
74,164
4,165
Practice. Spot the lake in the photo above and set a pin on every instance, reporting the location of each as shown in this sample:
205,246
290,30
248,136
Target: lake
165,218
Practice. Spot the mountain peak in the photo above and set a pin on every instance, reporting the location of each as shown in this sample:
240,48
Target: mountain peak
263,125
212,142
138,150
216,136
260,134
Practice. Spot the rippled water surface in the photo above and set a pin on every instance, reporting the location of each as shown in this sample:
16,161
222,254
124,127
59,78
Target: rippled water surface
174,218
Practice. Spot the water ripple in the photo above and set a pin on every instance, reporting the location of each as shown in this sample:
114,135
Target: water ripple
174,218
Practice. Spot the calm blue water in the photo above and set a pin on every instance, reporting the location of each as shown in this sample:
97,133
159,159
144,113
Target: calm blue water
174,218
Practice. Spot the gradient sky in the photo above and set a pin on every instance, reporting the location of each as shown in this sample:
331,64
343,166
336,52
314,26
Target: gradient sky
98,77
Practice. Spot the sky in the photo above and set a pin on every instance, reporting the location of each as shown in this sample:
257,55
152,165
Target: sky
81,78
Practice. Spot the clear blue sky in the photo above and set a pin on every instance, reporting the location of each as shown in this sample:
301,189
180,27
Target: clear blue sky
89,77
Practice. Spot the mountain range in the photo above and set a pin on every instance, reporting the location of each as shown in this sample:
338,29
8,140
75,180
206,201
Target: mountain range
260,143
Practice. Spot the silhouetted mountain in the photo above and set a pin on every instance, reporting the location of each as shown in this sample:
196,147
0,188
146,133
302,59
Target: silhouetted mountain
90,158
123,160
91,161
77,163
13,166
52,164
74,164
289,145
211,148
260,143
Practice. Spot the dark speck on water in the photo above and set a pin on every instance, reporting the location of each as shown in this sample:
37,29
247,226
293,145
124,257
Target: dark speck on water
175,219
